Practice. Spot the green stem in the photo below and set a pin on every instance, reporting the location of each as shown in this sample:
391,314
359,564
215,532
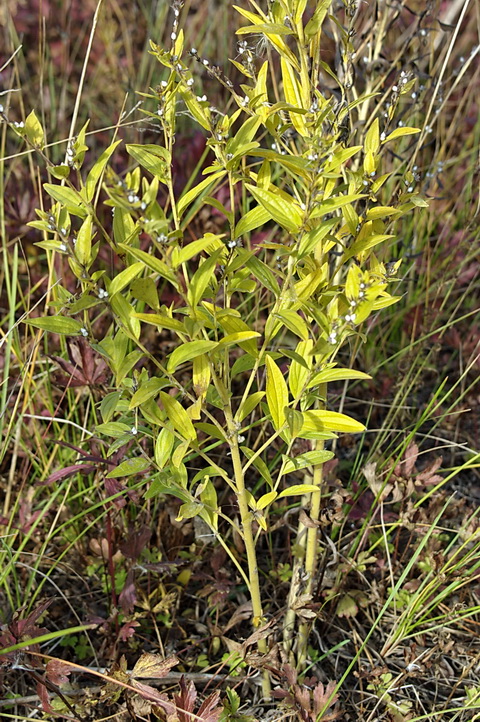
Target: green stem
311,557
246,520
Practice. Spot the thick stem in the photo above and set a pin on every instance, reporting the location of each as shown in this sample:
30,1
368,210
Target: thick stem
254,581
311,557
296,585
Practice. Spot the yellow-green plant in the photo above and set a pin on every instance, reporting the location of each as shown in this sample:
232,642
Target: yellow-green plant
257,327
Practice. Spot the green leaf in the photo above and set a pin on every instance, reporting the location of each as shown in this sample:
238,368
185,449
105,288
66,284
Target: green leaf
209,242
109,405
97,170
163,447
189,510
294,421
253,219
332,421
299,490
147,390
163,485
60,171
201,278
123,226
237,338
259,465
312,239
83,245
152,157
332,204
250,404
187,352
381,212
372,138
145,289
286,213
265,500
155,264
125,277
400,132
316,21
293,95
298,373
123,311
244,135
129,467
196,109
260,271
69,198
340,157
116,429
178,416
265,28
310,458
294,323
277,393
33,131
364,244
57,324
203,186
161,320
208,497
233,325
328,375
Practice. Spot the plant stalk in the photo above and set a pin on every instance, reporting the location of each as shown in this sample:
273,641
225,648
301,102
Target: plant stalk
254,585
246,520
311,557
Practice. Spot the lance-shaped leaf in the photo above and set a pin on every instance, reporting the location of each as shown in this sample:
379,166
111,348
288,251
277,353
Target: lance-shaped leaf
83,246
125,277
310,458
284,212
152,157
298,490
187,352
163,447
147,390
97,170
155,264
56,324
203,187
294,323
293,95
201,278
181,421
331,421
129,468
372,138
399,132
161,320
253,219
277,393
69,198
328,375
260,270
33,130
